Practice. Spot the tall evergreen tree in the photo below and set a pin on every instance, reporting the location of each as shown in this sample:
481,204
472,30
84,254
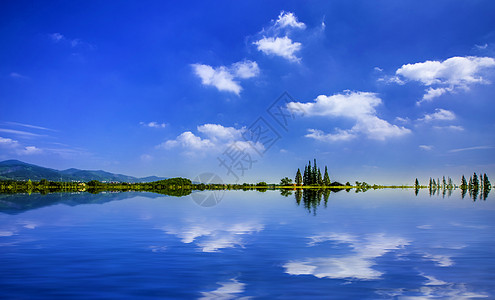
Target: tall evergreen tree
430,184
463,183
444,182
320,180
298,178
434,184
326,178
315,173
416,183
470,184
476,183
486,183
310,174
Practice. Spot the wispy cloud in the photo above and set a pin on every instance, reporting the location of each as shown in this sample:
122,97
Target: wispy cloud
227,290
153,124
17,76
440,115
21,133
426,147
71,42
29,126
471,149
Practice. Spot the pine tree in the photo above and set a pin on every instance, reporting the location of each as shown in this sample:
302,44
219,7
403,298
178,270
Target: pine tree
463,183
475,181
315,174
434,184
430,185
416,183
310,174
326,178
298,178
486,183
320,180
444,183
470,185
305,176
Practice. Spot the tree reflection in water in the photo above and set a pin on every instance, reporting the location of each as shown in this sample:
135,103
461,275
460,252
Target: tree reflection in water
312,198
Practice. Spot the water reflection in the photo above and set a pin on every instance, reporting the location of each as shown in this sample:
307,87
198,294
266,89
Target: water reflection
312,198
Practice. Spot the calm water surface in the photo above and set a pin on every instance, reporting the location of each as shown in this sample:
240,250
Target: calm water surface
376,245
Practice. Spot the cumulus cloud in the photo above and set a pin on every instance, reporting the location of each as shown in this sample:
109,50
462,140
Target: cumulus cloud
14,146
215,236
446,76
223,78
358,265
215,137
288,19
356,106
275,39
283,47
440,115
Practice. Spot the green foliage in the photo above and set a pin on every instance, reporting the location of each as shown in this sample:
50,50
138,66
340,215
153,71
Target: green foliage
261,183
326,178
286,181
299,179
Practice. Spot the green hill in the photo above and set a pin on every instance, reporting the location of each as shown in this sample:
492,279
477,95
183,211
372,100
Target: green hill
18,170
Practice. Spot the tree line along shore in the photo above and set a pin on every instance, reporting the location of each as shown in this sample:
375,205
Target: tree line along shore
310,178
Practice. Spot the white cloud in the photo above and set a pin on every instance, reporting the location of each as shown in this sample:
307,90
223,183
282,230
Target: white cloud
153,124
275,39
471,148
439,260
6,142
339,135
440,115
432,93
288,19
220,78
29,150
56,37
425,147
14,146
215,138
218,132
227,290
482,47
283,47
17,76
356,106
20,132
245,69
358,265
215,236
447,76
189,141
223,78
450,127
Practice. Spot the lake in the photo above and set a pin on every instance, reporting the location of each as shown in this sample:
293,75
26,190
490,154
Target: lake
380,244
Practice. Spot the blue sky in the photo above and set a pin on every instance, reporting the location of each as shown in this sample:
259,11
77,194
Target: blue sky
382,91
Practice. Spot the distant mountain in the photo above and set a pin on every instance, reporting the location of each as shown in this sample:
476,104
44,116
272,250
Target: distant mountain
18,170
